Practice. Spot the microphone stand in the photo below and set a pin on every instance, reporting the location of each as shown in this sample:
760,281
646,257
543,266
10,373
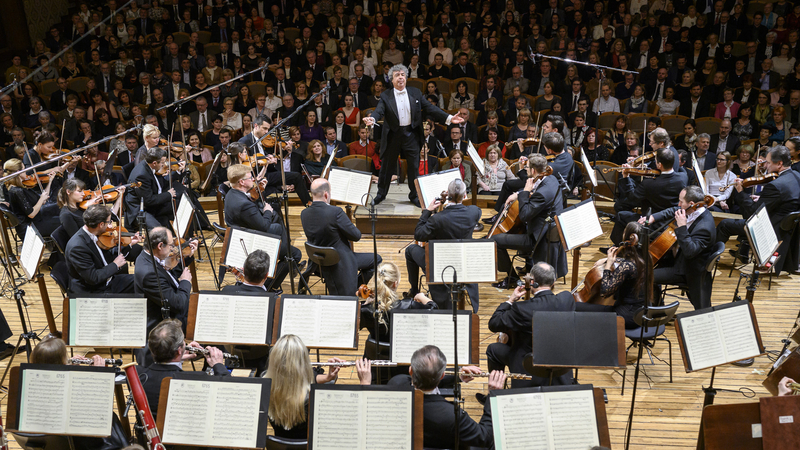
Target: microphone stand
177,103
455,291
208,254
369,200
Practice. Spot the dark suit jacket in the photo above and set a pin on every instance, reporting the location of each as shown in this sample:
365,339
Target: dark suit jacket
147,281
287,83
328,226
169,94
210,115
154,203
703,108
387,110
454,222
243,212
484,95
152,376
774,78
57,102
138,94
781,197
467,71
438,416
731,146
87,272
562,164
658,193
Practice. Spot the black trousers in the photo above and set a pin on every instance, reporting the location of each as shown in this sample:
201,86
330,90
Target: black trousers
402,142
274,184
415,260
509,187
730,227
622,220
507,241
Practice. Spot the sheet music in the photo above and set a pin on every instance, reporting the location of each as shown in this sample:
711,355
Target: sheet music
66,402
212,413
320,322
476,159
349,186
431,186
703,342
474,261
108,322
721,336
545,420
412,331
231,319
580,225
699,173
32,248
762,234
376,419
589,168
183,217
252,241
737,332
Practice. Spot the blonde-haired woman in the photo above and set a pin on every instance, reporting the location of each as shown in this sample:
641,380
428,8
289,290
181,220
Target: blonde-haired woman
292,376
230,117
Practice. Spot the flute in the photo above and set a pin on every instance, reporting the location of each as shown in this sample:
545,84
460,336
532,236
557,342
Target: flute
88,361
202,351
377,362
513,376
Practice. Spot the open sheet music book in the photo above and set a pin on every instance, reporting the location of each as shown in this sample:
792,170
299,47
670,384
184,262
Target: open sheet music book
548,418
349,186
69,400
414,329
589,168
107,321
473,261
31,253
718,335
762,235
361,417
320,321
238,239
431,186
578,224
476,159
217,318
183,217
210,411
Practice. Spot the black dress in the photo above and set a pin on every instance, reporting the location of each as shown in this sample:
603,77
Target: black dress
622,284
22,201
71,219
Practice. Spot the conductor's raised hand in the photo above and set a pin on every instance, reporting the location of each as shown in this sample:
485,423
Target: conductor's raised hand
497,380
368,121
469,369
364,369
456,119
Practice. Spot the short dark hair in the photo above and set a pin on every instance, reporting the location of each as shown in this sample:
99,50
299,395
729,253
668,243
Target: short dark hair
554,142
781,154
261,118
154,154
256,266
95,215
665,157
427,367
556,121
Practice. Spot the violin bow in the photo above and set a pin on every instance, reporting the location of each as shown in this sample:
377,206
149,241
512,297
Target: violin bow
172,200
99,184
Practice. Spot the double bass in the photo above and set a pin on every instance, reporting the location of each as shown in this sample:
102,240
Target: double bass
508,220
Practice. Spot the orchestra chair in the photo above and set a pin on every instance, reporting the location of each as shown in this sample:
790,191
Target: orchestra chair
61,238
30,441
656,322
278,443
60,275
711,271
321,257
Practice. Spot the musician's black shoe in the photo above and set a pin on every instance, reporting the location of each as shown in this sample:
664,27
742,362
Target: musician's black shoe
603,250
744,363
478,227
481,398
378,198
506,283
745,259
490,220
415,201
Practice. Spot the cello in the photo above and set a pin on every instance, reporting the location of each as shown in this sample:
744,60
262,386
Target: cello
589,290
667,239
508,220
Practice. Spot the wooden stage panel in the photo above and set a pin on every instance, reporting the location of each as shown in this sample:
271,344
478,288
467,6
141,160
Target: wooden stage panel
667,414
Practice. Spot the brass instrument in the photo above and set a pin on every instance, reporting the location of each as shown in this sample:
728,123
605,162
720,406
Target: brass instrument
513,376
88,361
375,363
795,387
202,351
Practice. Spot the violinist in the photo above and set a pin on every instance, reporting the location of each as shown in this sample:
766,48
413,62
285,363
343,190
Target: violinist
656,194
93,270
69,196
793,144
696,235
455,221
539,198
781,197
44,145
174,282
523,147
151,135
153,192
28,201
242,211
623,278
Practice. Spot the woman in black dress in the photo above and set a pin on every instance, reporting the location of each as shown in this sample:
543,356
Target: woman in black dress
32,205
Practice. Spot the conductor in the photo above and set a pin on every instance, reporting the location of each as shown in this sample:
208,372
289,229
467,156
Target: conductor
402,108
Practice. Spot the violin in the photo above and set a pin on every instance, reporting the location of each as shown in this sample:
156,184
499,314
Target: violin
237,273
31,182
173,163
636,171
53,155
269,140
364,292
176,145
110,194
527,142
645,158
508,221
252,161
181,250
589,290
667,239
113,237
752,181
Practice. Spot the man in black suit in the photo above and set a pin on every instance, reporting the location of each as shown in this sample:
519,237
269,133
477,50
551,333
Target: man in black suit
360,99
463,68
455,142
221,32
144,24
658,87
146,63
252,142
58,99
281,84
328,226
514,317
203,118
172,58
652,194
724,140
538,81
166,344
172,90
696,106
311,63
401,108
696,234
491,91
153,193
416,49
225,56
364,81
105,79
242,211
781,197
538,200
207,20
91,269
426,373
455,221
143,91
333,146
766,78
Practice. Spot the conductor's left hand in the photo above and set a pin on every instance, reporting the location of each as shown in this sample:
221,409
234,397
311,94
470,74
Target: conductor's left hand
457,119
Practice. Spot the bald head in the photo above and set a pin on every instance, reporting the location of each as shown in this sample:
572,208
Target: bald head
319,188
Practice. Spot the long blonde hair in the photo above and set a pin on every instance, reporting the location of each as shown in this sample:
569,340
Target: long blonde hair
291,374
388,274
13,165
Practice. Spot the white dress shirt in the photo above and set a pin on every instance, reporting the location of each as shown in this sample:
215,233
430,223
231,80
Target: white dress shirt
403,107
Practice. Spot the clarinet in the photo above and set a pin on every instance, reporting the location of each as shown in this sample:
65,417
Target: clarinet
202,351
87,361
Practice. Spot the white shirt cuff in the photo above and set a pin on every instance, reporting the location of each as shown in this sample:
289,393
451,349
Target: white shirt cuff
449,118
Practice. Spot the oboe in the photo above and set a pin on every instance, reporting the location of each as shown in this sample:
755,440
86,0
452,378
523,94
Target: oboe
202,351
88,361
377,362
513,376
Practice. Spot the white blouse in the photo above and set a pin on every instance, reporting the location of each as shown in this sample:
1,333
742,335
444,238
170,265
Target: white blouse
714,182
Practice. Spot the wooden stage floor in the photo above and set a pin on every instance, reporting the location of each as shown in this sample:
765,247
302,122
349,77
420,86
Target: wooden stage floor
667,415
